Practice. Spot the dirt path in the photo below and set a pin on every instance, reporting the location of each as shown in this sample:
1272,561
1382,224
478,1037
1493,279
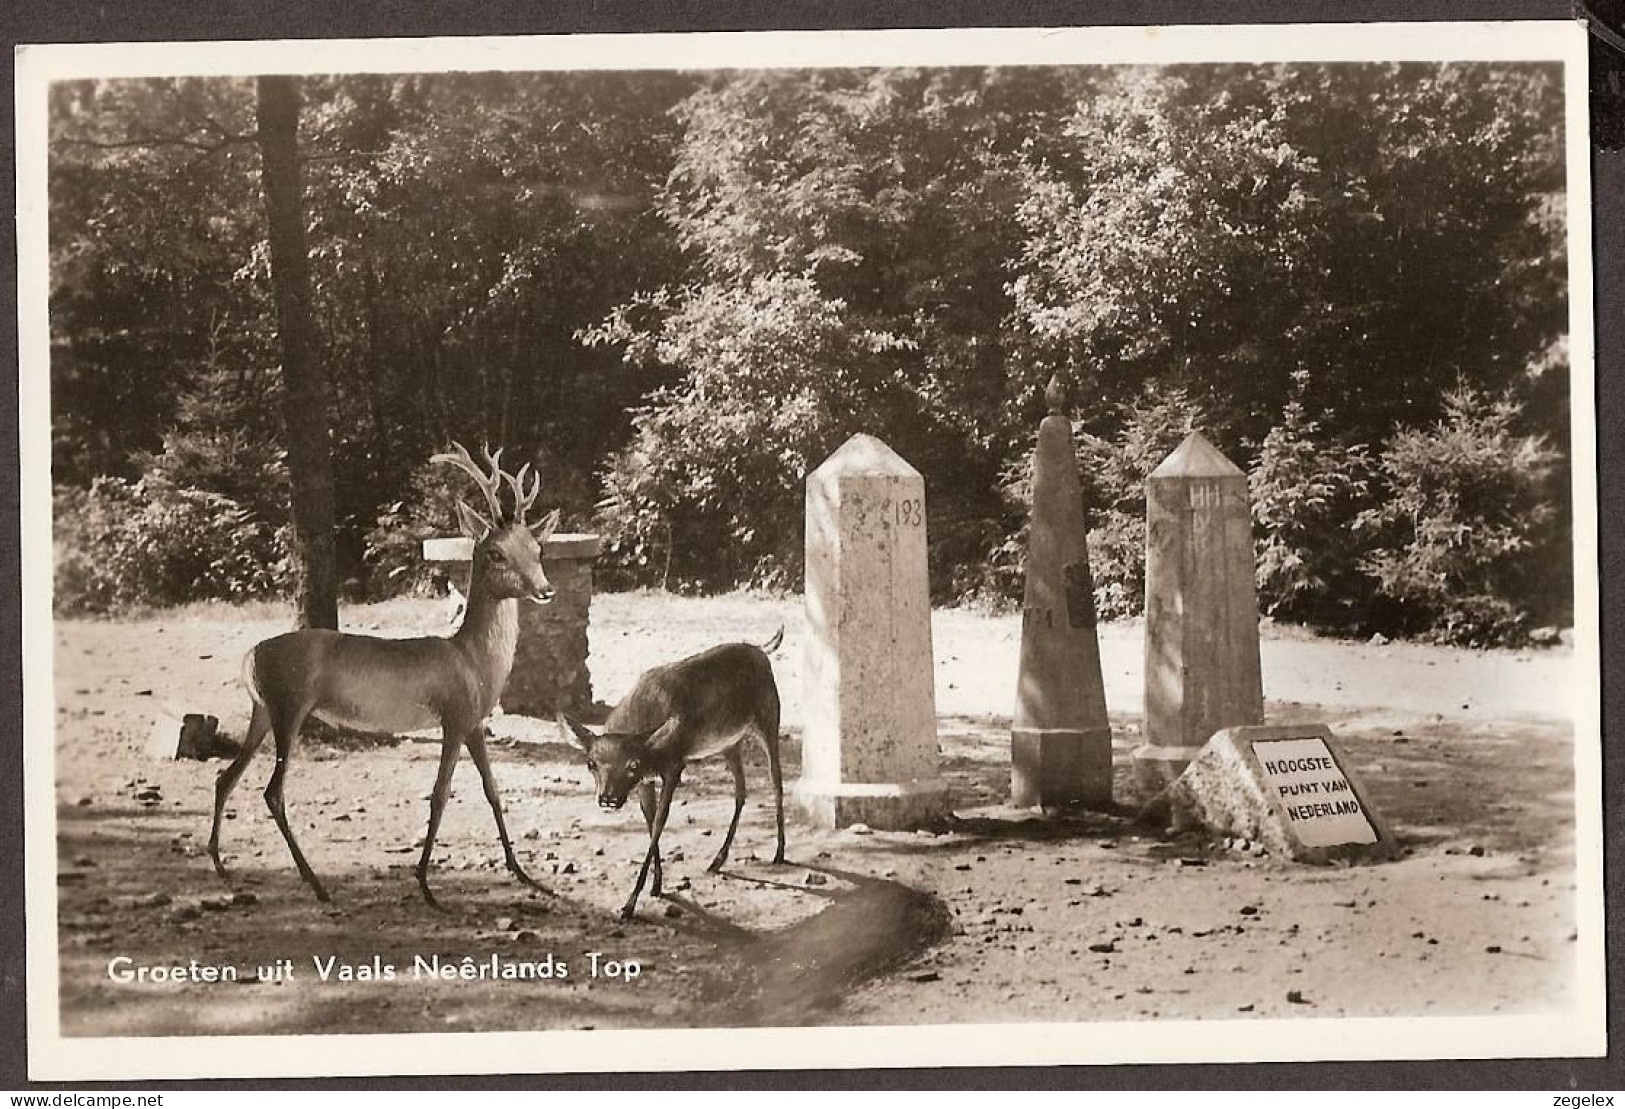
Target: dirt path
1001,917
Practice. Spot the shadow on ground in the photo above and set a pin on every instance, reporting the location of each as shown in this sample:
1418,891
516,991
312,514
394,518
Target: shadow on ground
134,885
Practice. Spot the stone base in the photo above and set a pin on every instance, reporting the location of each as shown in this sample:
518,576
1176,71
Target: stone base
1059,768
1156,768
896,806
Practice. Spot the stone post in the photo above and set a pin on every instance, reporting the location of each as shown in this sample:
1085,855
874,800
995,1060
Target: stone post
869,749
1060,739
550,662
1201,609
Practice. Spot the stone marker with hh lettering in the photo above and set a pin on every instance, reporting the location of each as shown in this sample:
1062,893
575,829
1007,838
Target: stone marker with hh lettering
1202,669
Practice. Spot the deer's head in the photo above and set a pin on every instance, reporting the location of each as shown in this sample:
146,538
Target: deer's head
507,549
620,760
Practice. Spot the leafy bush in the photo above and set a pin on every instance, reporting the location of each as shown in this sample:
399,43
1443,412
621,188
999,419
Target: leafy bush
120,544
1460,541
708,493
1117,563
995,578
224,440
1306,491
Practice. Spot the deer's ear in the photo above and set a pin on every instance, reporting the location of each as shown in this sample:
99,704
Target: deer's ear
582,736
474,526
545,528
666,734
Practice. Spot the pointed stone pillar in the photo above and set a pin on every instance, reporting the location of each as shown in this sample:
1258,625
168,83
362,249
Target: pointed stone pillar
1060,739
1201,609
869,748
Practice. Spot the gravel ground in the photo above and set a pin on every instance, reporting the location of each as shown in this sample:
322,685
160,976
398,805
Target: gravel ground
999,917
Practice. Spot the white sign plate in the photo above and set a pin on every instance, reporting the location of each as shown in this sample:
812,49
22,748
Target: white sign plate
1314,791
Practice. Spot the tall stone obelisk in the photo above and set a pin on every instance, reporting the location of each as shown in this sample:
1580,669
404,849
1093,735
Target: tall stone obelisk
1060,739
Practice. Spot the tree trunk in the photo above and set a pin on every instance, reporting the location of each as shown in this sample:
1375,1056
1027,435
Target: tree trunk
306,394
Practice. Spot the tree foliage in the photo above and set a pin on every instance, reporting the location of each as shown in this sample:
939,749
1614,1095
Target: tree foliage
1384,229
1467,509
678,293
123,544
849,235
1307,488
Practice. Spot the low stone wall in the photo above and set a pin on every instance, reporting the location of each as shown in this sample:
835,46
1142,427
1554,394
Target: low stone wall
550,664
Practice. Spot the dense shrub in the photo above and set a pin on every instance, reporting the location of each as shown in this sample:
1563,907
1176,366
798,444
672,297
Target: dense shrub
120,544
709,491
1306,491
205,519
224,440
1459,535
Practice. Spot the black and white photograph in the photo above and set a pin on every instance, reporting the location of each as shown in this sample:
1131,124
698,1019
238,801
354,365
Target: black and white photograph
809,550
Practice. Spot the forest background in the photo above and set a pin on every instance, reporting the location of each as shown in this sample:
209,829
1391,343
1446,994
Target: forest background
677,293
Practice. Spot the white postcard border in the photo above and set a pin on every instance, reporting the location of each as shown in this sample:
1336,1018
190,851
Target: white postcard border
54,1057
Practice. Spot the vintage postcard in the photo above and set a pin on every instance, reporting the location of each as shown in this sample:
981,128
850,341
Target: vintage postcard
834,549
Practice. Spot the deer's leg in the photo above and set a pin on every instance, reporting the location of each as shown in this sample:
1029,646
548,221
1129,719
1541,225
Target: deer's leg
668,786
285,725
450,744
736,763
646,801
482,761
771,741
258,725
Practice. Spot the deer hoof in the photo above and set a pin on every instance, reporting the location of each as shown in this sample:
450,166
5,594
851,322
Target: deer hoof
428,895
519,872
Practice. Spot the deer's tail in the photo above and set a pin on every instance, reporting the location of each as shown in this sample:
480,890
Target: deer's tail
249,674
773,644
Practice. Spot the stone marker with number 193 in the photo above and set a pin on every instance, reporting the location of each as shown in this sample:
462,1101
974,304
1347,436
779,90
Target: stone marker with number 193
869,749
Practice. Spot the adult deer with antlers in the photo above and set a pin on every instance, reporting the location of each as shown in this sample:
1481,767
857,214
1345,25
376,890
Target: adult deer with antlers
398,685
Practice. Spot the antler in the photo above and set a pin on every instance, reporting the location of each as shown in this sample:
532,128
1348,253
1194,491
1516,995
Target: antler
523,495
490,484
526,485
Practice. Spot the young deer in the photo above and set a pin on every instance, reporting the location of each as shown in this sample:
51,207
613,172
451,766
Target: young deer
707,704
398,685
